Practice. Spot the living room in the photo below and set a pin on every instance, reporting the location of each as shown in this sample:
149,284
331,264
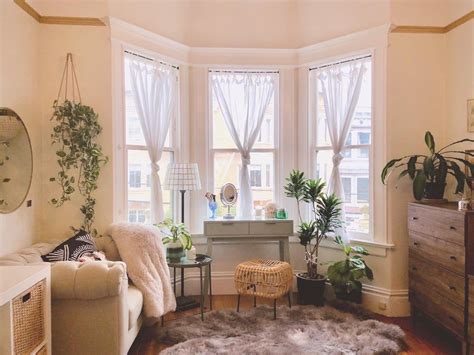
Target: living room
247,96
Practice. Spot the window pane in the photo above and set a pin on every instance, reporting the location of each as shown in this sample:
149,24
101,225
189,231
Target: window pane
134,133
139,191
356,209
227,167
222,139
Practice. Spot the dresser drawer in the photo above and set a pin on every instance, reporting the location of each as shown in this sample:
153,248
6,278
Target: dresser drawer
271,228
438,223
437,307
445,282
471,308
449,255
226,228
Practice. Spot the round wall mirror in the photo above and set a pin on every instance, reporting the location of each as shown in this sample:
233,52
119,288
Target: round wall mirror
229,198
16,161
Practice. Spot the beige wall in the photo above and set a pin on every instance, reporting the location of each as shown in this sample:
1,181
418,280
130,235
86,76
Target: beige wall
91,51
19,75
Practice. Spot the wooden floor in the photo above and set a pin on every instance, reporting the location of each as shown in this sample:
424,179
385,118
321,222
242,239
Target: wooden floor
425,338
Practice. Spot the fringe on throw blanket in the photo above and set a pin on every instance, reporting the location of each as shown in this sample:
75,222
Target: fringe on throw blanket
141,248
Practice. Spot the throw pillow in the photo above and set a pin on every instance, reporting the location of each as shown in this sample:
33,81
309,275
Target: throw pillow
72,249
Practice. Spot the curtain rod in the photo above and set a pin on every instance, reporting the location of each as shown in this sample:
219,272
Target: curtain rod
244,71
341,62
151,59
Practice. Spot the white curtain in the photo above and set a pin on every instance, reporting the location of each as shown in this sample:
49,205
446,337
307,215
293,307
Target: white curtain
155,90
243,99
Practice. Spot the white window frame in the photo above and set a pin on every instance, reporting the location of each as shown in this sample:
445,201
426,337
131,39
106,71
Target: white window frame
314,147
174,126
276,131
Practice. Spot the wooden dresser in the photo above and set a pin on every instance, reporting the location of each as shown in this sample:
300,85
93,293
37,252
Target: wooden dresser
441,266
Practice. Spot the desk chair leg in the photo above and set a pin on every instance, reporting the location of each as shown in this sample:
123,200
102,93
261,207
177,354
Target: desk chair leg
289,299
254,297
274,309
238,303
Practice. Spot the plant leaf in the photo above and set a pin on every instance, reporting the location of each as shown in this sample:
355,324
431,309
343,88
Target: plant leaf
387,167
430,142
419,184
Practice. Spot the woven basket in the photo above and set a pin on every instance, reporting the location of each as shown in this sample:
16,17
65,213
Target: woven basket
263,278
28,319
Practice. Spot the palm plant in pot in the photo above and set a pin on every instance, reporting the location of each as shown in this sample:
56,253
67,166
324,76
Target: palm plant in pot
325,220
177,239
430,171
345,275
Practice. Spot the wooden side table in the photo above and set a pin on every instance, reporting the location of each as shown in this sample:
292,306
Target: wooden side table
201,261
25,309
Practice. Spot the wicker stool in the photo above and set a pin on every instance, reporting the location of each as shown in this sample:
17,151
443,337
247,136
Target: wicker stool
263,278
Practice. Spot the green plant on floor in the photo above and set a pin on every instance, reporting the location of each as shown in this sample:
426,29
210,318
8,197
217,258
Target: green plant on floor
79,156
325,215
345,275
175,232
429,171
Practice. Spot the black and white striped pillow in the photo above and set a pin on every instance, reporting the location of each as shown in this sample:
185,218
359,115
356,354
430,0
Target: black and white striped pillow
72,249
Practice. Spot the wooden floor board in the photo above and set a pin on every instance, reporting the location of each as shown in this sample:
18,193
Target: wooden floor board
424,338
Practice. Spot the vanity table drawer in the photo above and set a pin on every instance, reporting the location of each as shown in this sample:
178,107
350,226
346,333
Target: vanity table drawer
226,228
271,228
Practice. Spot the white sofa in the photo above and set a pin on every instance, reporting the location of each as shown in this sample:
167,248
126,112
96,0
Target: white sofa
94,308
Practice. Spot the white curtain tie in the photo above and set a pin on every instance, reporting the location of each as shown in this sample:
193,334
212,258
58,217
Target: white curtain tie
155,168
336,159
245,159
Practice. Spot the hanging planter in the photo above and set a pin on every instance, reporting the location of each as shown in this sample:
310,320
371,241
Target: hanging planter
79,156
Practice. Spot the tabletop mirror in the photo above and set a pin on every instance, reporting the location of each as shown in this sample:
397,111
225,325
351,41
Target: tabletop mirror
229,198
16,161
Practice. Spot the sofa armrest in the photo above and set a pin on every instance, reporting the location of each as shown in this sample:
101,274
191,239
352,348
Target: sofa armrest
89,280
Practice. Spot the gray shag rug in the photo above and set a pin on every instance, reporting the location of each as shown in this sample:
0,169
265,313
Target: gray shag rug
301,329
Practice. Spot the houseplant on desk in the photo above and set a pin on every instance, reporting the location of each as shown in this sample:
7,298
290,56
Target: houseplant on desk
177,239
325,220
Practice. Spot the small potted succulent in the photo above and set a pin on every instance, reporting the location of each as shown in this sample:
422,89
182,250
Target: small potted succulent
325,220
345,275
429,171
177,239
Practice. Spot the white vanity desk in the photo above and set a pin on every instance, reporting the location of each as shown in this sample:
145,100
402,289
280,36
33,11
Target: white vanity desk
249,230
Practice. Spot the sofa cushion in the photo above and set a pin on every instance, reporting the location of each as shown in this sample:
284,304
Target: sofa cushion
72,249
135,305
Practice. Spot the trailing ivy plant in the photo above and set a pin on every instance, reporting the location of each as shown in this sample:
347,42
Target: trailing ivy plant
78,155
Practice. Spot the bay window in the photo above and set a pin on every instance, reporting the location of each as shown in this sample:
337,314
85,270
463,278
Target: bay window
225,157
341,108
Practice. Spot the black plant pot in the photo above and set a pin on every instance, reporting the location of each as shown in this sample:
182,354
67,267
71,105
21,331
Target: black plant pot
354,296
310,291
434,191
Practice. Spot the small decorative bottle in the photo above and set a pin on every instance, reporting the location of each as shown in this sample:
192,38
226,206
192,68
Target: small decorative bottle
213,208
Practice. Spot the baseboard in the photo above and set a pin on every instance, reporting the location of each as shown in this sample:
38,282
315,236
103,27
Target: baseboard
390,303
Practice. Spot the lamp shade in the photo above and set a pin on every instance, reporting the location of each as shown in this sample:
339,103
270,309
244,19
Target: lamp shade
182,177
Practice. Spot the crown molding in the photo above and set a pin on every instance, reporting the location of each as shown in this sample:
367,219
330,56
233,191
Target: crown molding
434,29
58,20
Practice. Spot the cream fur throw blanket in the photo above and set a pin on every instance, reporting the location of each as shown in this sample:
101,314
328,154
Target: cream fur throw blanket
141,248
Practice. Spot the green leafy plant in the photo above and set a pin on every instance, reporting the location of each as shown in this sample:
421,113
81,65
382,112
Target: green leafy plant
175,232
78,155
325,211
429,172
344,275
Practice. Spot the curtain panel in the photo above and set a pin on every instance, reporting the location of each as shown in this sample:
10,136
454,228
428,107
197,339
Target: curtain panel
243,99
155,93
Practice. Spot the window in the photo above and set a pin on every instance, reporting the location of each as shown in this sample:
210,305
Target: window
225,159
138,162
355,166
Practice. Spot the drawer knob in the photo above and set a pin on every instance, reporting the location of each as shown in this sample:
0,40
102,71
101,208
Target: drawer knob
416,244
414,268
452,318
452,228
415,218
452,288
452,257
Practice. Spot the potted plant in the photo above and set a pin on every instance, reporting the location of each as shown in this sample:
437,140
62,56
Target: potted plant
344,275
326,219
429,172
177,239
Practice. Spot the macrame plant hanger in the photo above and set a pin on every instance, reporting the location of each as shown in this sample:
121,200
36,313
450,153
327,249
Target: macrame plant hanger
69,78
